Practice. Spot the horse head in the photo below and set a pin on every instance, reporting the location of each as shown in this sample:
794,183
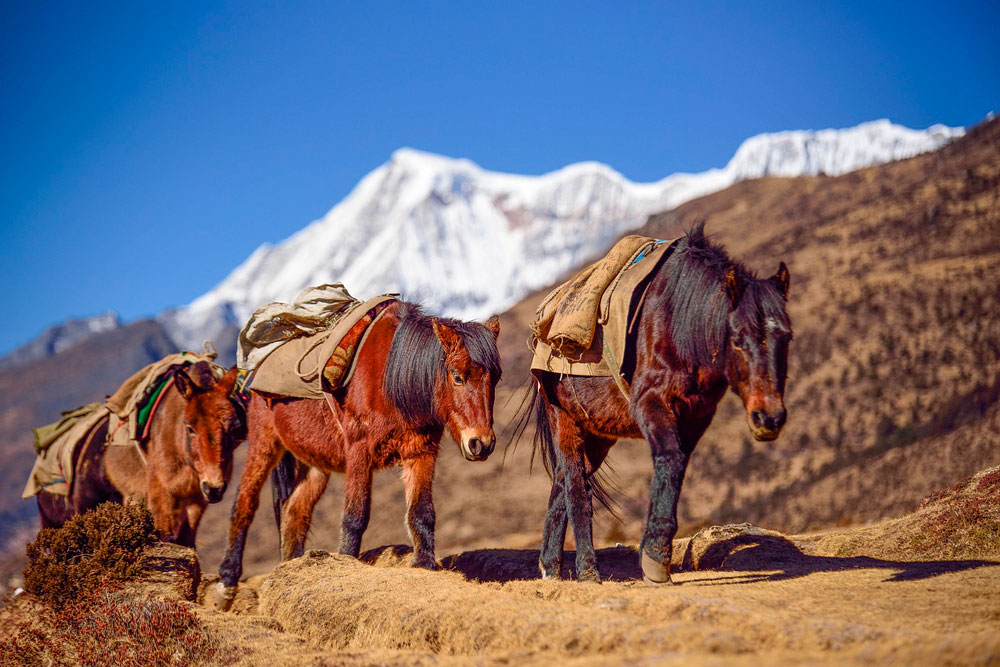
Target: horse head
215,425
759,332
465,390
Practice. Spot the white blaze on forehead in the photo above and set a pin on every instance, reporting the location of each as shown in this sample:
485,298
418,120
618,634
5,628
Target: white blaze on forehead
771,325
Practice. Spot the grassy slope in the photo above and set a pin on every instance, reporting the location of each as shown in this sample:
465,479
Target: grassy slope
893,389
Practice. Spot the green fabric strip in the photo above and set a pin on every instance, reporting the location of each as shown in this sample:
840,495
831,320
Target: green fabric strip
142,415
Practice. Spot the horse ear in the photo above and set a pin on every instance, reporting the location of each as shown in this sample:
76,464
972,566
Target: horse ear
782,279
493,324
734,286
450,339
183,383
201,375
228,381
193,379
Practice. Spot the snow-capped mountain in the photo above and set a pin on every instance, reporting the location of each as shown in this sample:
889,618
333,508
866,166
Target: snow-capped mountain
61,336
468,242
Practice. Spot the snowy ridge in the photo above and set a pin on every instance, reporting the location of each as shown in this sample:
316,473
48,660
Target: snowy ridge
61,336
468,242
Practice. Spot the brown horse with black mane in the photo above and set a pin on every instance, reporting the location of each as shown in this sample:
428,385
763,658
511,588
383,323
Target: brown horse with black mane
187,463
706,324
415,377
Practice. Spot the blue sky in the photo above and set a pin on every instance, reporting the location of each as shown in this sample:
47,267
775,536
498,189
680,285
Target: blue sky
148,148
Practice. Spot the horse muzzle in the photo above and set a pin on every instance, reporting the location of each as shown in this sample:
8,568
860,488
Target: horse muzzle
477,448
211,493
766,426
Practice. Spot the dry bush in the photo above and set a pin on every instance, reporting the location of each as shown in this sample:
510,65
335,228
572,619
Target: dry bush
90,550
963,521
78,609
108,628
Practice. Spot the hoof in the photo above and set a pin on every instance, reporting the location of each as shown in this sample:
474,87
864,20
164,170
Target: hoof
590,575
553,572
222,596
425,564
653,573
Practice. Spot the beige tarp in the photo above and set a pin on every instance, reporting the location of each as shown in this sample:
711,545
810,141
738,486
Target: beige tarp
295,367
605,316
53,469
275,323
46,435
124,403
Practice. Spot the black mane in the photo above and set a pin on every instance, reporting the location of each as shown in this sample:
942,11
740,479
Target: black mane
698,305
416,357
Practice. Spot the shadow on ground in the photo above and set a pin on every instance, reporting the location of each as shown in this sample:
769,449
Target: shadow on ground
756,557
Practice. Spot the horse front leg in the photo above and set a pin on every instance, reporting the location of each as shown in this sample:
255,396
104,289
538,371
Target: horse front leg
168,517
262,456
554,534
189,524
418,480
298,511
357,505
659,426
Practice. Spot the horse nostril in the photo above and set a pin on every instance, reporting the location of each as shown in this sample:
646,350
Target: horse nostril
213,494
475,446
779,418
488,449
757,417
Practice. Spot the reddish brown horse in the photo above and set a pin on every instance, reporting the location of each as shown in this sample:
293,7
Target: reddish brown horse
415,377
188,458
706,324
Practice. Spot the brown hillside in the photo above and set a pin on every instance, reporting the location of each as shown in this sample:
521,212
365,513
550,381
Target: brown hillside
895,368
893,388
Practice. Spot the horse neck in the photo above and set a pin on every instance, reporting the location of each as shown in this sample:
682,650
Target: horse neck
661,304
167,430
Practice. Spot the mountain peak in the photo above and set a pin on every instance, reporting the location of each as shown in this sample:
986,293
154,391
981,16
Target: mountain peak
468,242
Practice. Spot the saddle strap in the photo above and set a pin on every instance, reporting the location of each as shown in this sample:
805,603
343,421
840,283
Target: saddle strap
331,403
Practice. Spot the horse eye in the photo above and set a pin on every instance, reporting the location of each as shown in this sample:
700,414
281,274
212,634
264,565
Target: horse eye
456,378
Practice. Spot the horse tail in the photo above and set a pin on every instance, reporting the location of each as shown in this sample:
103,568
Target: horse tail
283,482
535,404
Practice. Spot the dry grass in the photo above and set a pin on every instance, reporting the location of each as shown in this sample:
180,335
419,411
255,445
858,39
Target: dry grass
744,596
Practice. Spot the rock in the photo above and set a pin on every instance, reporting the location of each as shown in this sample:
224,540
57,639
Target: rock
170,570
737,546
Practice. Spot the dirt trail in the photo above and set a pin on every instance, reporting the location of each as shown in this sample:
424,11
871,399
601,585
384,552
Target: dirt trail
769,603
921,589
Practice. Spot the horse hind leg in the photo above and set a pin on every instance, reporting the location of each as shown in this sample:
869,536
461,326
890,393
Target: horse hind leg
556,519
298,511
554,534
571,457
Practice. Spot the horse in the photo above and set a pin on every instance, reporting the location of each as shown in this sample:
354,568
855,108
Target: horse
187,464
415,377
706,323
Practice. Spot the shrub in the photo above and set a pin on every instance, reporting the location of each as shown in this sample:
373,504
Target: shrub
108,628
90,550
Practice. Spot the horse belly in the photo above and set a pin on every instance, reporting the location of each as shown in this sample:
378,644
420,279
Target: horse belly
327,459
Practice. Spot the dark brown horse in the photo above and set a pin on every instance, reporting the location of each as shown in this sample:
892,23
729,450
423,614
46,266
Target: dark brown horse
415,377
187,463
706,324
